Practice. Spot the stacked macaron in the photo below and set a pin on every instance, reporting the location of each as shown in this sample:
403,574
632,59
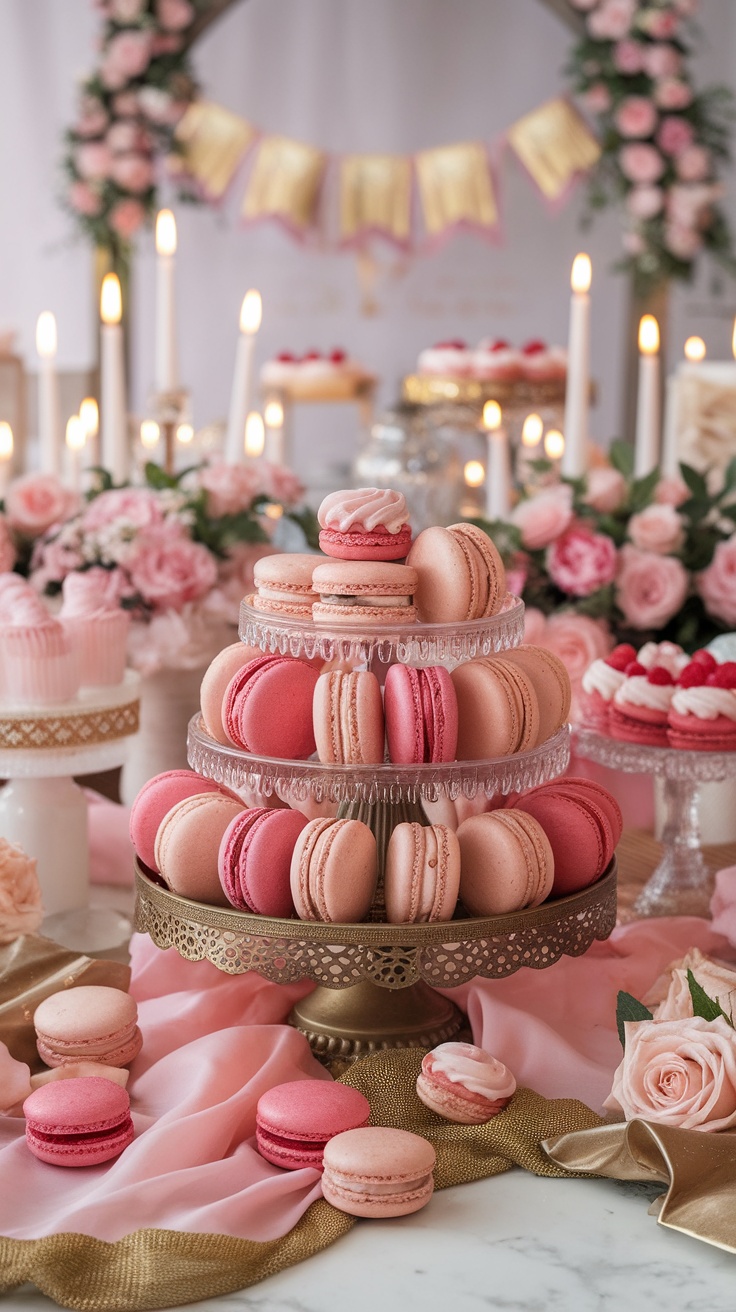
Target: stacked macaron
628,693
90,1023
583,825
702,712
510,703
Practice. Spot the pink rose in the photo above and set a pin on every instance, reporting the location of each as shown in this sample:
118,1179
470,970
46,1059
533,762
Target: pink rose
675,135
581,561
174,15
516,574
92,119
229,488
650,589
125,104
21,911
578,641
657,528
84,199
678,1072
605,490
36,501
641,163
671,492
690,206
544,517
7,547
636,117
633,243
694,164
645,202
612,21
718,981
281,484
155,104
535,626
138,506
168,569
123,136
133,172
52,561
235,578
671,93
661,60
629,56
128,54
597,98
717,583
166,43
127,217
660,24
92,161
684,243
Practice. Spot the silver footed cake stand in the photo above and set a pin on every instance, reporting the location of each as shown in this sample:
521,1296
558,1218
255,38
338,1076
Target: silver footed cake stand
682,884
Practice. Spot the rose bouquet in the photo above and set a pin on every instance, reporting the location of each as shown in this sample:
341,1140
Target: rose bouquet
178,553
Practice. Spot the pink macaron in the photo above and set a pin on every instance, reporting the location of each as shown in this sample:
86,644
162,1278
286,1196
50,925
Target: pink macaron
461,574
156,798
365,523
464,1084
80,1122
363,593
422,873
92,1022
421,715
583,824
506,863
348,718
218,674
254,860
284,584
267,707
378,1171
188,845
295,1121
334,870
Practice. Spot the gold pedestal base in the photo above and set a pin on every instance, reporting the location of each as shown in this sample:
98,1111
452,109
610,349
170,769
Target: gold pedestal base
346,1024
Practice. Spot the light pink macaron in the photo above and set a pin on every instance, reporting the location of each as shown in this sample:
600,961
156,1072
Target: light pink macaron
284,584
348,718
89,1023
334,870
218,674
422,874
504,866
156,799
464,1084
378,1171
188,845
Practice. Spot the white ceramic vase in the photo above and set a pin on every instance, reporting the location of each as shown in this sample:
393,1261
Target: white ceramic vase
169,699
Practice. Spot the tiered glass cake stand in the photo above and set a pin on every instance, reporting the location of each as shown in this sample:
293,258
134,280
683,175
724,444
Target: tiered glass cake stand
682,884
376,981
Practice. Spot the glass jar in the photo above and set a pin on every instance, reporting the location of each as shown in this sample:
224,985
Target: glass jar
404,452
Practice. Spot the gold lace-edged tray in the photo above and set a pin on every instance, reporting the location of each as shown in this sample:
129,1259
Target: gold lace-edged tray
96,716
444,954
425,389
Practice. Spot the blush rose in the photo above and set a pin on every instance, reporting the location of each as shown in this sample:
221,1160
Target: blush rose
581,561
641,163
169,570
543,518
657,528
34,502
605,490
717,583
636,117
650,589
678,1072
21,910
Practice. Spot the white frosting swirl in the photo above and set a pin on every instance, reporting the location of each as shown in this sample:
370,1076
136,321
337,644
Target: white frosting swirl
445,360
667,654
367,506
637,691
476,1070
705,703
603,679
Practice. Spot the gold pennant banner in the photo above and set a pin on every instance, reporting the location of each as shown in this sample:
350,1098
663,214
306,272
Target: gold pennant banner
554,143
214,142
375,193
455,187
285,182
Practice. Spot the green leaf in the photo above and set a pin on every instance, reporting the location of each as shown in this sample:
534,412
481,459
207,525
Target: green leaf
157,478
642,491
621,455
629,1008
729,478
695,481
702,1004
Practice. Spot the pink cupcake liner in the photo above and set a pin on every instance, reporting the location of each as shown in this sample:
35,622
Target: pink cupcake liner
100,644
40,666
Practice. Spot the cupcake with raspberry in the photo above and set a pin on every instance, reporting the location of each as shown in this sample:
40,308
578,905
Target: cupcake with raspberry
601,681
641,706
450,359
541,363
670,655
497,361
702,716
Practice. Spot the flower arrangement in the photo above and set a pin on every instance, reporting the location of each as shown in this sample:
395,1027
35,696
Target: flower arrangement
662,141
178,553
679,1062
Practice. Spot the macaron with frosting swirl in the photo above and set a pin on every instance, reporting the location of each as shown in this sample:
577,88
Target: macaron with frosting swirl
464,1084
365,523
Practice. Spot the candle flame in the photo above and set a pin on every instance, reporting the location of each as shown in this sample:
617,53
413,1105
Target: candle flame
111,301
184,434
250,313
46,335
695,349
165,233
582,273
255,434
150,433
273,510
90,416
491,416
554,444
532,431
75,434
648,335
474,473
6,441
274,414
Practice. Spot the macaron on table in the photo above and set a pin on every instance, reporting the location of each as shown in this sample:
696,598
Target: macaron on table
376,981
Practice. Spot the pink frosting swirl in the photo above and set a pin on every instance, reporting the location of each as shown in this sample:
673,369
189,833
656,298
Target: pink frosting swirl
364,507
705,703
473,1068
86,594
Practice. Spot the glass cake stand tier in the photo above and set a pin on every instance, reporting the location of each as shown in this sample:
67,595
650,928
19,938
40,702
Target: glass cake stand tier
296,781
681,885
375,982
411,644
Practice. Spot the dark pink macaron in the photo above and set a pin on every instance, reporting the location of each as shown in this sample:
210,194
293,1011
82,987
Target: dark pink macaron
254,861
268,707
156,799
421,715
583,824
78,1122
295,1121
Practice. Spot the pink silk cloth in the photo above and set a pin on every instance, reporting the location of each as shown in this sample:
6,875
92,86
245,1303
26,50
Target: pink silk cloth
212,1043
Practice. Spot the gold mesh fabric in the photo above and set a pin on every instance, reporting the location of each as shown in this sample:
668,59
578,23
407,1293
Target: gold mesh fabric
164,1268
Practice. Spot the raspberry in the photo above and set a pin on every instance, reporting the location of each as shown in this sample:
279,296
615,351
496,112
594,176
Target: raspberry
634,668
659,675
723,676
500,344
312,355
285,357
337,357
706,659
534,347
694,675
458,344
621,656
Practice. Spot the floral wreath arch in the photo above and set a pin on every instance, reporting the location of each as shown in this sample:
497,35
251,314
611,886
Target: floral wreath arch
662,141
